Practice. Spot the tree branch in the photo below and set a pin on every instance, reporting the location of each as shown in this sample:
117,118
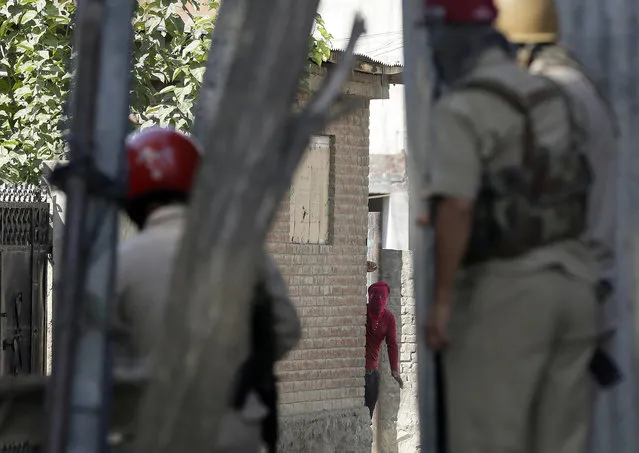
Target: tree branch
317,115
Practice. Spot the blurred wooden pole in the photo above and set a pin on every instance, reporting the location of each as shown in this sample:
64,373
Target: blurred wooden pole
418,85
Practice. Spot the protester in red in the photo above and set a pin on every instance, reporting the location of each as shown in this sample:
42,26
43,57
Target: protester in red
380,325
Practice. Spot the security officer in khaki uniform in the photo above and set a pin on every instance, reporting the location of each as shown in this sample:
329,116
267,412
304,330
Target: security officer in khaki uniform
162,165
514,311
533,25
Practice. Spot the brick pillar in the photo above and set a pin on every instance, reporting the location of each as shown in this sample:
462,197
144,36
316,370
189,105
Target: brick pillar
374,254
399,417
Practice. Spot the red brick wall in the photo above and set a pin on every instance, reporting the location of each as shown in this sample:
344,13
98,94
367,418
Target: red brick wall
328,283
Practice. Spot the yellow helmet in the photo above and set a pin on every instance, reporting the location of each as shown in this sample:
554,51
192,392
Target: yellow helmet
528,21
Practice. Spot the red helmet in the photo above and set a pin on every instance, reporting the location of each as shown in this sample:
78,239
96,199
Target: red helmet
461,11
160,159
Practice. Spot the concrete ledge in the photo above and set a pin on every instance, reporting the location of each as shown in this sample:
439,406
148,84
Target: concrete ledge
361,84
339,431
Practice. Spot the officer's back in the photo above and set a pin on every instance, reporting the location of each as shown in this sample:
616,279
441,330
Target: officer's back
498,129
514,308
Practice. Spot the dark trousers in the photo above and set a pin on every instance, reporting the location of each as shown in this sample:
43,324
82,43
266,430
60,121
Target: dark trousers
371,389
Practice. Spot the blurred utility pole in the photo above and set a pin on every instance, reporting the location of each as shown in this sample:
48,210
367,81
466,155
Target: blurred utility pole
80,388
418,83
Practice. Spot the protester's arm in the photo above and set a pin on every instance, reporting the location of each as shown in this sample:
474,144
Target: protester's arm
393,349
391,344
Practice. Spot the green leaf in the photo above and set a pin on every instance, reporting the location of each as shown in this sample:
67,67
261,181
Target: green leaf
5,158
22,158
168,89
152,23
190,48
177,72
198,73
28,15
25,45
160,76
9,144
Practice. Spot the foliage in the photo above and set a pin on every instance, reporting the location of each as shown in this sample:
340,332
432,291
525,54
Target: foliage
35,47
171,41
319,48
170,52
320,42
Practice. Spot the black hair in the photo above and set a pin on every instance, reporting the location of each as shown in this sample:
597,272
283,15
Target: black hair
139,208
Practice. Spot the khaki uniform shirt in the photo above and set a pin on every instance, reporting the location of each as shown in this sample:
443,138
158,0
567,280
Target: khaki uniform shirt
475,129
145,265
603,154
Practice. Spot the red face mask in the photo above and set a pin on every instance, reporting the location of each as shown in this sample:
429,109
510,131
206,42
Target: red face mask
377,299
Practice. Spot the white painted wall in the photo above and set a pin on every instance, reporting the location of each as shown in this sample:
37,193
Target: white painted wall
383,41
395,234
387,133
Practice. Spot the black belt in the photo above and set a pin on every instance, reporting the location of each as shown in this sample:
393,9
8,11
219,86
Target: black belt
602,366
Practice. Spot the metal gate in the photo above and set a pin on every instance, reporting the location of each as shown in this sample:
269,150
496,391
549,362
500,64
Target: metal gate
25,244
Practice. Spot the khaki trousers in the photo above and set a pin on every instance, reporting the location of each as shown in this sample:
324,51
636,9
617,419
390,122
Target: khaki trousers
516,370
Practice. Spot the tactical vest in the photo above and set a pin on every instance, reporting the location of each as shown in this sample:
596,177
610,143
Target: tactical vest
542,200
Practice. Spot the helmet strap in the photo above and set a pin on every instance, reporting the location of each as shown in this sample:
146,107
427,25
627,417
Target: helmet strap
140,208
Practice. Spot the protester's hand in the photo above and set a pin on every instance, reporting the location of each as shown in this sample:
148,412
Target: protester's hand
398,378
423,219
437,326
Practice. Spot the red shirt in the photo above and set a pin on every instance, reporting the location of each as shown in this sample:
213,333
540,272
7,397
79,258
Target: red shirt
375,334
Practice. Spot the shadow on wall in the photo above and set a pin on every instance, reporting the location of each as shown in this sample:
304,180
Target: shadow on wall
398,412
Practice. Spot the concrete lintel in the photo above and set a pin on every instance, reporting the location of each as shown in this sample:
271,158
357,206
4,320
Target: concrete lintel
387,187
368,86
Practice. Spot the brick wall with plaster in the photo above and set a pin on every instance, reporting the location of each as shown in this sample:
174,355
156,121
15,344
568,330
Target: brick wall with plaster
322,389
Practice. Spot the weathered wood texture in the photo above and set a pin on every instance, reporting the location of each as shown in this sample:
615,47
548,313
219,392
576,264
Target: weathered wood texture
604,35
253,142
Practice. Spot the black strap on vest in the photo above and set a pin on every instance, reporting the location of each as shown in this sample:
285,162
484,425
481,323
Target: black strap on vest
257,374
